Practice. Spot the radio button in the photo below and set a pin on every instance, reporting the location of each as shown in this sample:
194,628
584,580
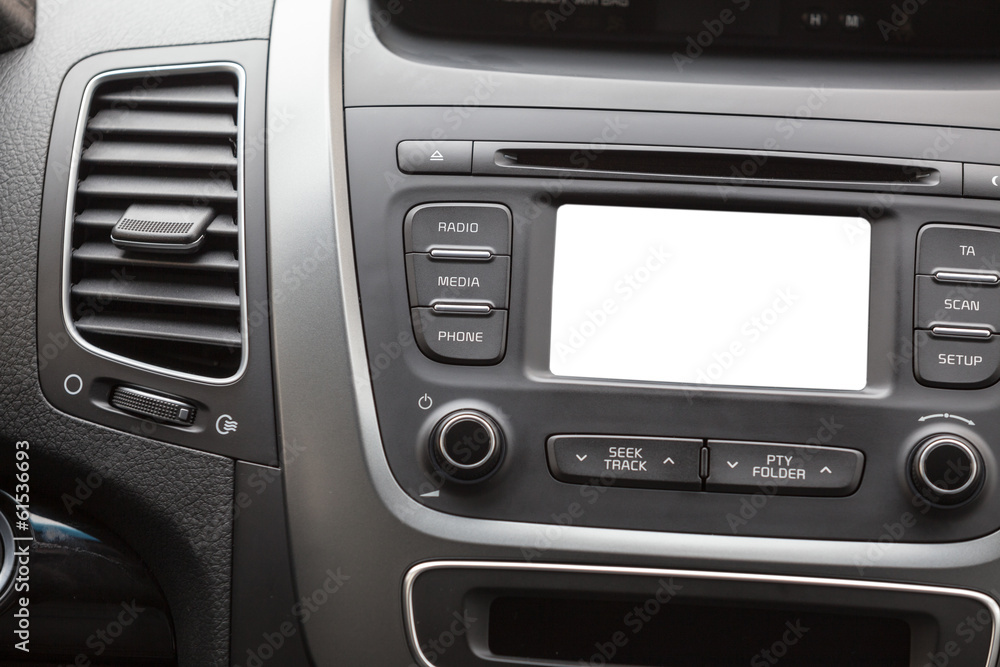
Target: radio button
746,467
477,226
662,463
954,303
461,339
956,247
970,363
432,280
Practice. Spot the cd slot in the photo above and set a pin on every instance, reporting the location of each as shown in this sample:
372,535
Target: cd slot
717,167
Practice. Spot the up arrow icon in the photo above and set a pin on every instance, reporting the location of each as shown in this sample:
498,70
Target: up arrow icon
669,460
827,470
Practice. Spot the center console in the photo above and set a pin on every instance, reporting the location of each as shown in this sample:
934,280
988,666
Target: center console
619,362
707,324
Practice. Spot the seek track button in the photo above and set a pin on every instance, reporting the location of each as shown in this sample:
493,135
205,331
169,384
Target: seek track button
662,463
783,469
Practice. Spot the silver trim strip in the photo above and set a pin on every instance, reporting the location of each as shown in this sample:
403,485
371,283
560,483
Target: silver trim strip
957,277
74,169
465,308
448,253
961,332
160,247
414,573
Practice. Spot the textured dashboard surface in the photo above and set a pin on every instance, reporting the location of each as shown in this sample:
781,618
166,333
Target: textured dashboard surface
172,505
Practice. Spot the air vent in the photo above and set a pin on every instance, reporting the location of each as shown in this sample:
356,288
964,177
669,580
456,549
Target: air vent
154,238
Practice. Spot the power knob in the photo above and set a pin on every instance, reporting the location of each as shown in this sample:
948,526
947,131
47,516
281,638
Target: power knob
947,470
467,446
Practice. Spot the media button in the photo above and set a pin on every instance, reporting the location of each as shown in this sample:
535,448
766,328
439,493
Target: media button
432,281
798,470
662,463
461,339
458,226
967,363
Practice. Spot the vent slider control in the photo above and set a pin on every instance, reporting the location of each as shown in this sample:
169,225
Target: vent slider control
162,228
152,406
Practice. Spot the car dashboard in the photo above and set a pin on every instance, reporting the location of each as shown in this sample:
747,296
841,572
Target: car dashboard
438,333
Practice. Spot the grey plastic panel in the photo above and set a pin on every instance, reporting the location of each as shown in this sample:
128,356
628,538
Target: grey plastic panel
63,361
345,510
387,67
265,611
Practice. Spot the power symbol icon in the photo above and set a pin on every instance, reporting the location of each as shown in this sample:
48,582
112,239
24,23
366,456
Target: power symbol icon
425,402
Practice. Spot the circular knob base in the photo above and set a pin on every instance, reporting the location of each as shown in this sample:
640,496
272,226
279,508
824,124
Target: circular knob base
467,446
946,470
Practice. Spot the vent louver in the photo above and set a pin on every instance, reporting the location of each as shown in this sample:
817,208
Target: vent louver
167,142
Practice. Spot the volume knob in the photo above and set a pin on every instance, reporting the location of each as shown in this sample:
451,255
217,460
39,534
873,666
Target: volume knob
947,470
467,446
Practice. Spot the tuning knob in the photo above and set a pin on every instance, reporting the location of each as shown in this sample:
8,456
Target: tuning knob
467,446
946,470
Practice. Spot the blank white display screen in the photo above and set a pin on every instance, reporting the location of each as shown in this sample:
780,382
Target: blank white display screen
711,298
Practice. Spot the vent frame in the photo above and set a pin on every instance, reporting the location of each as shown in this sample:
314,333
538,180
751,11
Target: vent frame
213,67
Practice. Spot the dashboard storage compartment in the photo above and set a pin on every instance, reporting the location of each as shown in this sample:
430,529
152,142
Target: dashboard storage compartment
483,613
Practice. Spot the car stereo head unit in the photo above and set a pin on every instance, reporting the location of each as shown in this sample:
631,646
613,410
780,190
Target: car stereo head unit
665,332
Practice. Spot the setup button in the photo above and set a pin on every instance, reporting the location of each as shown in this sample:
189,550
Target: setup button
956,363
796,470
